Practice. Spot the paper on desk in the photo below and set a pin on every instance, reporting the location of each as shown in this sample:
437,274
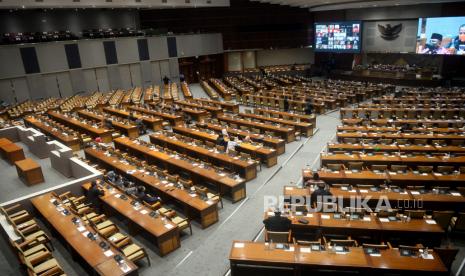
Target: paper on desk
375,255
455,194
364,191
117,195
309,215
384,219
289,188
415,192
81,228
85,233
325,216
143,212
366,219
239,245
305,249
429,257
108,253
193,195
169,226
125,268
430,221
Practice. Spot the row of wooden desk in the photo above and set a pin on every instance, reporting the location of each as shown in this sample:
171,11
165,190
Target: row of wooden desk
276,143
268,156
332,147
226,185
305,128
129,130
69,140
402,199
413,130
400,122
410,136
412,161
256,258
98,260
228,106
194,208
246,169
152,122
94,132
171,118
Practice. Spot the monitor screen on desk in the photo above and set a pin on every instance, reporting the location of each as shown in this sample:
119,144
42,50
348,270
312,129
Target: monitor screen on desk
342,37
441,36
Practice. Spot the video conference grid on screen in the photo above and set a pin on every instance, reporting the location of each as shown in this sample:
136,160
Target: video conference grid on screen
338,37
441,36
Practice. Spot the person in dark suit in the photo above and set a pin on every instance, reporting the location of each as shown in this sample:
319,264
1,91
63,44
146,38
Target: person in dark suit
220,141
277,223
308,107
166,80
286,104
142,195
94,194
111,176
119,181
319,193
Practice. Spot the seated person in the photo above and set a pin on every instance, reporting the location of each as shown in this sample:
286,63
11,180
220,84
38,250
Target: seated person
319,193
232,144
277,223
146,197
220,141
120,181
130,188
94,194
140,126
111,176
315,181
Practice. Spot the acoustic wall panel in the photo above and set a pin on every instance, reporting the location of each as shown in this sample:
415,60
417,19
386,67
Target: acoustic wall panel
174,69
102,79
21,89
110,52
143,47
6,91
114,77
127,51
52,57
156,73
92,53
164,68
90,80
78,82
36,87
158,48
30,61
146,73
135,71
11,55
172,48
64,84
125,77
51,85
72,56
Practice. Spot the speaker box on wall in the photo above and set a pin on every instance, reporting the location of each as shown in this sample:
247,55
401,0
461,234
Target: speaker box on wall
110,52
172,47
73,56
143,47
30,61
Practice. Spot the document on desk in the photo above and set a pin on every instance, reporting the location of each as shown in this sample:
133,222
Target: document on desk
108,253
430,221
384,219
239,245
169,226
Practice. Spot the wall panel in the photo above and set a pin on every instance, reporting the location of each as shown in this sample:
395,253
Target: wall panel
36,87
6,91
102,79
146,73
51,86
124,76
11,64
164,68
158,48
136,78
156,73
78,82
127,50
90,79
52,57
64,82
92,54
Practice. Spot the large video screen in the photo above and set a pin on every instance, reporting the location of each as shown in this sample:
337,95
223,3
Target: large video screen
344,37
441,36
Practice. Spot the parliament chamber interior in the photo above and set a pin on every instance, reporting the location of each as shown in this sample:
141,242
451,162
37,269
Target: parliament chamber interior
232,137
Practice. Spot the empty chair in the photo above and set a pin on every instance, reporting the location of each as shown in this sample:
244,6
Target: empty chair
378,168
402,141
133,251
385,141
438,142
381,246
306,243
415,214
420,142
445,169
350,140
346,243
425,169
399,168
334,167
458,223
456,142
279,237
355,166
443,218
447,256
384,213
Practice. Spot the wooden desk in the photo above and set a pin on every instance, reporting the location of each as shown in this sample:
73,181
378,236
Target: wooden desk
4,141
29,171
267,156
165,236
214,111
276,143
151,122
255,258
12,152
228,106
288,134
284,115
88,250
246,169
71,141
129,129
173,119
235,187
94,132
305,128
206,212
